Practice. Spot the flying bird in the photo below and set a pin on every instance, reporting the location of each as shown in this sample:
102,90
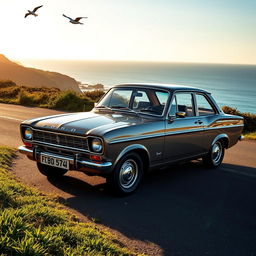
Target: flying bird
33,12
76,20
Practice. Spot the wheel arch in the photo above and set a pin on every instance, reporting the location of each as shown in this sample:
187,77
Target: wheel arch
222,137
140,150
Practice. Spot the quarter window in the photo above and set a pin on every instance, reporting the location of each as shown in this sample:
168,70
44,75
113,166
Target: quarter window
203,106
162,97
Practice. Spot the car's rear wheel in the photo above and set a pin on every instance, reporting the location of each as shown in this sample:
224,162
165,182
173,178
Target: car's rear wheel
127,174
215,156
49,171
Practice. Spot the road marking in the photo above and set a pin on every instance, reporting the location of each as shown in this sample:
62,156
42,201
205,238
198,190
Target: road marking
11,118
239,172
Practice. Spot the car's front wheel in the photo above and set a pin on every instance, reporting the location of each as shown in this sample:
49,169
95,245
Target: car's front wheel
215,156
49,171
127,174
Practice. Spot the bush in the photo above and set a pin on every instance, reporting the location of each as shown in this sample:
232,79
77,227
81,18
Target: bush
6,83
25,98
71,101
94,95
9,92
249,118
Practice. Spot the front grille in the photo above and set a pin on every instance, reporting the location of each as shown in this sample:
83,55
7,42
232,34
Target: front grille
62,140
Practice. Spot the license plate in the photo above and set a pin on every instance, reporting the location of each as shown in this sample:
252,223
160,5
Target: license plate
54,161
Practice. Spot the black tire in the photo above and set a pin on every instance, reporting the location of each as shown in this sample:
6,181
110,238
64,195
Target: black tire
126,175
49,171
215,156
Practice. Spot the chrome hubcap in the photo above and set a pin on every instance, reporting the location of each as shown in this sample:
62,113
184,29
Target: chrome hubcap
216,152
128,173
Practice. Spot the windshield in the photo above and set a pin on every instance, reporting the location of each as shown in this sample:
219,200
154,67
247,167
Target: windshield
148,101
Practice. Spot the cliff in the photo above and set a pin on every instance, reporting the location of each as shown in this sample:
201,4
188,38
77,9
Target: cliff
32,77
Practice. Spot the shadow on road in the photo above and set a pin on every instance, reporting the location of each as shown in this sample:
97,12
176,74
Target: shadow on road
185,209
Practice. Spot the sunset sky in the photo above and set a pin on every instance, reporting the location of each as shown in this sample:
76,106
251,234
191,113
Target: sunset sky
220,31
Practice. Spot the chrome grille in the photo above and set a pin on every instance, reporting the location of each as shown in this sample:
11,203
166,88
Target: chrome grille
62,140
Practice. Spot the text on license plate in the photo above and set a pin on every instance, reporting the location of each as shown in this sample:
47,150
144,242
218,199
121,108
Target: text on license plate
55,162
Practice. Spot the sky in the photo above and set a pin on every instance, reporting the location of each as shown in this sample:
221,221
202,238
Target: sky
220,31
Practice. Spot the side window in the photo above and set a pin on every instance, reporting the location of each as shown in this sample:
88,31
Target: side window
184,102
203,106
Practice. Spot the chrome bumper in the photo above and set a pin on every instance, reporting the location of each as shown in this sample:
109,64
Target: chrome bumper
75,162
241,137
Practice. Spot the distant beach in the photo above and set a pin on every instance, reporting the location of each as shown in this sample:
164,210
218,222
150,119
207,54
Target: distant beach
232,85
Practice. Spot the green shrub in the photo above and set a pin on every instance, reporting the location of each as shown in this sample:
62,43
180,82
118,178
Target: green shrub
94,95
47,97
26,99
9,92
6,83
249,118
71,101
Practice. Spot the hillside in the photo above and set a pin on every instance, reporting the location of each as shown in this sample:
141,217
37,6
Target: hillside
32,77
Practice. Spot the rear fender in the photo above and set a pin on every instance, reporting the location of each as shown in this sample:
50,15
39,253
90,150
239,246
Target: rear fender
222,136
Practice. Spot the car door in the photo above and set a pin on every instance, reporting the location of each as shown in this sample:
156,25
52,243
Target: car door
183,134
208,114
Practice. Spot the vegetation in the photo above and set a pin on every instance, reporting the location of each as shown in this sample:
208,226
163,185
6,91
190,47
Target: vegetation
71,101
250,135
249,119
32,223
94,95
47,97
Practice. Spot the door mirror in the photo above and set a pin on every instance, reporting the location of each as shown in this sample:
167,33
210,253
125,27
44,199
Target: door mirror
181,114
171,118
95,104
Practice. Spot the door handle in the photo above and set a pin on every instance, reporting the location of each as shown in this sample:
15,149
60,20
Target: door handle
198,122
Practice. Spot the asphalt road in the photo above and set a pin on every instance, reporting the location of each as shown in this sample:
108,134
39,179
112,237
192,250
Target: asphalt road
181,210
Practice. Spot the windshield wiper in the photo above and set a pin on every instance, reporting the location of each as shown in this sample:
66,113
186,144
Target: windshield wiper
124,108
103,107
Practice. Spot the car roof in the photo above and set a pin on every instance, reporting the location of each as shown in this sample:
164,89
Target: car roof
170,87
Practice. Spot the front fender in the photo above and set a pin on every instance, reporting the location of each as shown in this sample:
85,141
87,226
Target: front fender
129,149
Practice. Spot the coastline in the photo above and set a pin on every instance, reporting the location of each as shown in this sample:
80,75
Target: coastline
232,85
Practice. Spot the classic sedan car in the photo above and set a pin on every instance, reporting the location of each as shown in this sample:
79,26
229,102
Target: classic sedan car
132,129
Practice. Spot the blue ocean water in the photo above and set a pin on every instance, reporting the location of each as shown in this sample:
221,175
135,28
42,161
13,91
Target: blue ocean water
232,85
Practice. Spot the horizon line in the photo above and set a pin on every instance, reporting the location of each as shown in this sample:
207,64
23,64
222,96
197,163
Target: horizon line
139,61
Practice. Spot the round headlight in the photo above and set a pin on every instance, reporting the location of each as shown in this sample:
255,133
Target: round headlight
28,134
96,145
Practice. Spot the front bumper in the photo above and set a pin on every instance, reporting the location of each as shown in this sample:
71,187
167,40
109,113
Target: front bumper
75,162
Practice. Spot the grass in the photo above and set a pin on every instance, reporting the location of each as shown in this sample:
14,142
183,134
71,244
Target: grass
250,136
32,223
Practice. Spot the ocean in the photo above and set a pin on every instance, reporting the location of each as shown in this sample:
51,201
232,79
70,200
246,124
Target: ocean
232,85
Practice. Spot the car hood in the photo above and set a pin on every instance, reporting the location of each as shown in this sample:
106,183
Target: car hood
87,122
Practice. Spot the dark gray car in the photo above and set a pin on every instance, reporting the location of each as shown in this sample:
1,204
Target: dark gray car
133,128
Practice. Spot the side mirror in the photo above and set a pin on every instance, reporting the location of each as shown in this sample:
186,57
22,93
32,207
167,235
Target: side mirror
181,114
171,119
95,104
